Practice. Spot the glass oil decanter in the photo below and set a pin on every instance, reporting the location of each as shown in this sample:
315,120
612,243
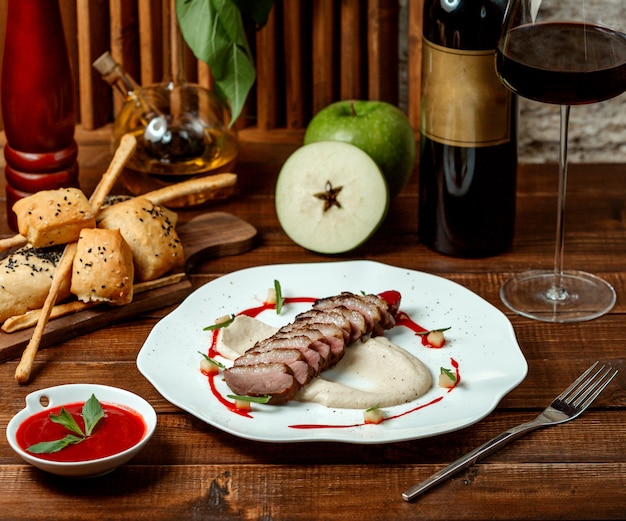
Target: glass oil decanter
182,129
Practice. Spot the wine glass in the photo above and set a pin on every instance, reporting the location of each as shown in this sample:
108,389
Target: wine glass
564,52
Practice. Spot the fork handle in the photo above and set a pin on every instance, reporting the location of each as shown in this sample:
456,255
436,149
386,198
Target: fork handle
469,459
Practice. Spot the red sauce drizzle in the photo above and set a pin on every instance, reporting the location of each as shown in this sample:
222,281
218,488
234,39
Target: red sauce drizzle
402,319
120,429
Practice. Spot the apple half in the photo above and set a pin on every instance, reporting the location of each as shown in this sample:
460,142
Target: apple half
330,197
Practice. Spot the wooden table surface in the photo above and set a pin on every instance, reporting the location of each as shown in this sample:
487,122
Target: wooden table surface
190,470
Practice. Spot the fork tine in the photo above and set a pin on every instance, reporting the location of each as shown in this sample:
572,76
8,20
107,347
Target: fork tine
565,396
584,401
587,388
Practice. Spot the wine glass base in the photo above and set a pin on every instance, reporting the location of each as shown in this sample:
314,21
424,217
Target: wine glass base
582,296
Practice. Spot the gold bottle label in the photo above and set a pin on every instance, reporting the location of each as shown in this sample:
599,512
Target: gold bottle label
463,103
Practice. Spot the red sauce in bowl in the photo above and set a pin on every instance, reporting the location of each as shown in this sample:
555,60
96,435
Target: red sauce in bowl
120,429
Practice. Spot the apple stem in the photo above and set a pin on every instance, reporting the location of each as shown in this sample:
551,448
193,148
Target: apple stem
352,108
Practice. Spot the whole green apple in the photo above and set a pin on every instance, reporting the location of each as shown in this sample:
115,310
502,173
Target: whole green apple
378,128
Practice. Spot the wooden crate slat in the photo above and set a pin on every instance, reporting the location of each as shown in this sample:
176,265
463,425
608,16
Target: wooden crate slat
414,81
352,58
95,95
382,41
323,19
150,14
267,84
296,64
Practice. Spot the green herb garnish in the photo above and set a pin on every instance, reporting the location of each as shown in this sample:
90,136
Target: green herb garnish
441,330
253,399
213,361
373,408
279,297
220,324
448,373
92,413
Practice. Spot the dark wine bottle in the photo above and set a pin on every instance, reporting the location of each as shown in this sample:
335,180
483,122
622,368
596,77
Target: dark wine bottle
468,145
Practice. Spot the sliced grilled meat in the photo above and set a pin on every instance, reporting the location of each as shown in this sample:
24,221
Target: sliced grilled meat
301,342
276,380
369,311
331,316
291,357
279,365
331,334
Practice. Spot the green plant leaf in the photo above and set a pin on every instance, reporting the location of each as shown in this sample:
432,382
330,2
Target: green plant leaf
257,10
214,31
67,420
92,414
47,447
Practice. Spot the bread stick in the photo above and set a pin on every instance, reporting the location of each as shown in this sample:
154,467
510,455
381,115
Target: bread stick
12,242
123,153
30,318
205,188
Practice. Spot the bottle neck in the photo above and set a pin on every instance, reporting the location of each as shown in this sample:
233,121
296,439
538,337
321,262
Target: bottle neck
124,84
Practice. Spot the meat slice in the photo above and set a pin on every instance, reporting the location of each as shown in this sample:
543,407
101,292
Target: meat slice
387,319
330,316
358,325
276,380
369,311
291,357
301,342
331,333
318,341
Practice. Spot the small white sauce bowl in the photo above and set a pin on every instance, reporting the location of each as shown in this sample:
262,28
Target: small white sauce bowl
51,397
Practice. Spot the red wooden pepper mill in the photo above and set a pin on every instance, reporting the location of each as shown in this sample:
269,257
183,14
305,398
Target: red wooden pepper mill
37,102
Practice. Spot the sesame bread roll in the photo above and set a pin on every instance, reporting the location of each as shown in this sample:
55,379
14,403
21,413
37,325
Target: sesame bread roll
103,268
52,217
25,279
149,231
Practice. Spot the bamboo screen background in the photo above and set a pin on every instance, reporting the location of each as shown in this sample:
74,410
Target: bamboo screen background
310,53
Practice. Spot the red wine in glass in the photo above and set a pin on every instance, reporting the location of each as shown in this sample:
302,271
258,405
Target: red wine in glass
564,63
559,52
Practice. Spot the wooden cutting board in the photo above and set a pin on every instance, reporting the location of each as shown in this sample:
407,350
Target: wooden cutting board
207,236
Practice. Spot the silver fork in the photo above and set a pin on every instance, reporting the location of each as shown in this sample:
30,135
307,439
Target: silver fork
568,405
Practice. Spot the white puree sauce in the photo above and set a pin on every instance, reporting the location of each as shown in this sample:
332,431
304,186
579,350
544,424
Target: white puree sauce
372,372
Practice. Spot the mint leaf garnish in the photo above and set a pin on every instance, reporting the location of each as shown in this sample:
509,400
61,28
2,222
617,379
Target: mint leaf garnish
92,414
48,447
67,420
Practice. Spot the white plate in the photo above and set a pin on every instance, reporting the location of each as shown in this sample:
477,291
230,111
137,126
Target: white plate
481,340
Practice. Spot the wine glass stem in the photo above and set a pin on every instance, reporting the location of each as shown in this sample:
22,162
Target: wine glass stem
557,292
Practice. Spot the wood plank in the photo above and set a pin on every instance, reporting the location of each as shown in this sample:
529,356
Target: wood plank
268,88
324,57
124,24
549,492
95,95
150,17
382,48
353,55
414,81
297,66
